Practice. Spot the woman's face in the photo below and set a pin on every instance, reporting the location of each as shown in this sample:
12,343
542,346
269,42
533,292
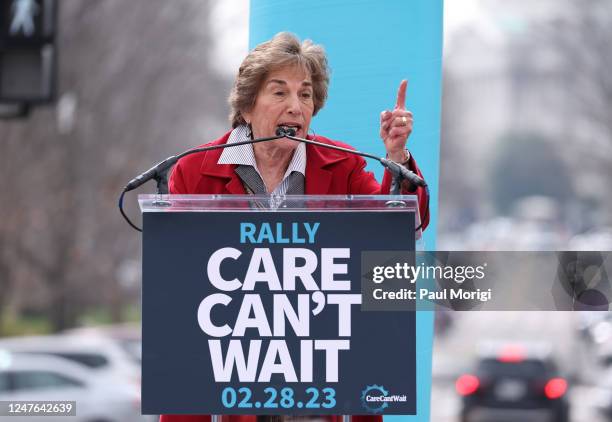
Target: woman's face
284,99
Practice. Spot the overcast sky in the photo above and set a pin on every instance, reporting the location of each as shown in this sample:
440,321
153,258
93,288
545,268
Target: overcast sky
230,22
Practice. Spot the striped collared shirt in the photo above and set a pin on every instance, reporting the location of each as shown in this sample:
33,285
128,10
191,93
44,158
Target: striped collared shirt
244,155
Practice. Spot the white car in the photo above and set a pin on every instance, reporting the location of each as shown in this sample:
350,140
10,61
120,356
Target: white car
102,355
27,377
127,335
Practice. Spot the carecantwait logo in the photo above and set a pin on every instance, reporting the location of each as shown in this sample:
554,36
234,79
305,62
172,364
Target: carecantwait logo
375,399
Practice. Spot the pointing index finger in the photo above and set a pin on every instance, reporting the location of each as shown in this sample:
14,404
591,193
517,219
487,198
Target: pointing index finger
401,95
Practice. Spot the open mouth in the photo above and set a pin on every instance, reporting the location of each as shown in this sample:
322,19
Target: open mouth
290,125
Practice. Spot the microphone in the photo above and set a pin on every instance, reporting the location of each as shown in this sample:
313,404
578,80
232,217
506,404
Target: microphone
404,173
285,131
153,173
158,171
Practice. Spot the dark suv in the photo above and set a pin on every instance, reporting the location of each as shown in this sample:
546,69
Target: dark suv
512,386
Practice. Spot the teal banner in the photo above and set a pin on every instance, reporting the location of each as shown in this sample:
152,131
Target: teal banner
371,47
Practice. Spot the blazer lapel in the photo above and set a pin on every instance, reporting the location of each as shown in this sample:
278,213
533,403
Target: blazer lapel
235,186
317,180
318,175
319,169
225,172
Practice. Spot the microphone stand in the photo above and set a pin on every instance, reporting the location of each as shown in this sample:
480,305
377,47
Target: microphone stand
159,172
399,172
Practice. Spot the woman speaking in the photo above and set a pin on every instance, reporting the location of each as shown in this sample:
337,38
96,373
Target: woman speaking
283,83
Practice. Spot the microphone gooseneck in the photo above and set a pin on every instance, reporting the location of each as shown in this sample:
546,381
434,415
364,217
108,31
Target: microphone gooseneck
160,170
396,169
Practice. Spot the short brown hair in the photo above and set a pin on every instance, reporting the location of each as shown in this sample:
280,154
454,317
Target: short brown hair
284,49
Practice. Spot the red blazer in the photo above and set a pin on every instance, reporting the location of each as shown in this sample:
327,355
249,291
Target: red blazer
328,172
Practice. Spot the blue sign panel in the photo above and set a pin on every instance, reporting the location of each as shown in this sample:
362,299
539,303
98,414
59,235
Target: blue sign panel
260,313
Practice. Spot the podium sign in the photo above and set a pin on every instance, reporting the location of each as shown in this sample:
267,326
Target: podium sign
252,305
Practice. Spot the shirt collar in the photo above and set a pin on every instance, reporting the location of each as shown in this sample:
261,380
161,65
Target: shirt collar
244,154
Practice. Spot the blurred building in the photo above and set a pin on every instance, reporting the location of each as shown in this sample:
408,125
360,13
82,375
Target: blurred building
526,70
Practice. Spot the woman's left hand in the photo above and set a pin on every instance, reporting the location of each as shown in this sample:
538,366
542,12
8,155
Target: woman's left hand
396,126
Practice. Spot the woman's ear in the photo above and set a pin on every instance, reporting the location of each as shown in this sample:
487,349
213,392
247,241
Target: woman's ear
246,116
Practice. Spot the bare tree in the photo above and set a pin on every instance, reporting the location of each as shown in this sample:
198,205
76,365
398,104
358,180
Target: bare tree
579,37
135,86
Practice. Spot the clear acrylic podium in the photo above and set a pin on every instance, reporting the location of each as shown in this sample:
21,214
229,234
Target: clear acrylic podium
203,203
202,219
285,203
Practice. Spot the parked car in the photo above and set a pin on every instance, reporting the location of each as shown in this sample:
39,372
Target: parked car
102,355
29,377
128,336
513,384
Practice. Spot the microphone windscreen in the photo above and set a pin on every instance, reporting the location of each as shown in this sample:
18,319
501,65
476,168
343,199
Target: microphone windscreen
285,131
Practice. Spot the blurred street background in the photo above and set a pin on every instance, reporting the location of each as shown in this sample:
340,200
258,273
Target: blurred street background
526,152
526,126
526,164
